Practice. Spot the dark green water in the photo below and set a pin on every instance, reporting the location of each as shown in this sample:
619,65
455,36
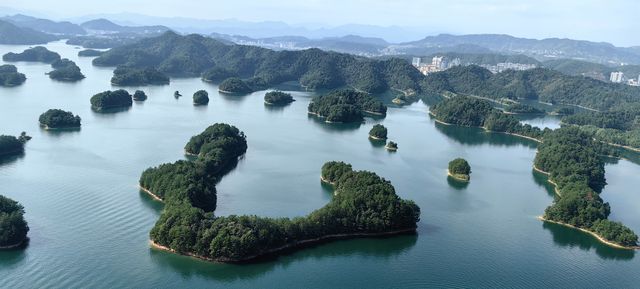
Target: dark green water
90,223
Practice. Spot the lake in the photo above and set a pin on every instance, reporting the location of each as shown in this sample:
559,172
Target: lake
90,222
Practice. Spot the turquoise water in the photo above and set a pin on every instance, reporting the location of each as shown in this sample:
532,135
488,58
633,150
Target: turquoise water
90,223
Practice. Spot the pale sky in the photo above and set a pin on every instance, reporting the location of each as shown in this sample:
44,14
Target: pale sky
614,21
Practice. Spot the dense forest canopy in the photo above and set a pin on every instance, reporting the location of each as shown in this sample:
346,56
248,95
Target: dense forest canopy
9,76
345,105
378,131
139,95
459,166
519,108
65,70
619,126
57,118
89,53
35,54
235,85
174,54
10,145
13,227
127,76
201,97
111,99
277,97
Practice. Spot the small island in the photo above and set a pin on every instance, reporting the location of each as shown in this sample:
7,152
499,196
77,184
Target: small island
127,76
35,54
111,99
345,105
278,98
519,108
201,97
59,119
234,85
11,145
378,132
13,227
65,70
139,95
177,94
391,146
459,169
89,53
9,76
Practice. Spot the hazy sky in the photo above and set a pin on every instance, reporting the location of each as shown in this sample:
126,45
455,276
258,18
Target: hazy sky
613,21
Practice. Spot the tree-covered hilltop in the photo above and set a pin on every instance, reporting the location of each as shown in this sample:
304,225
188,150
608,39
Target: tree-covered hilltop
194,54
538,84
459,168
57,118
127,76
103,42
65,70
619,126
14,35
234,85
89,53
392,146
378,131
519,108
111,99
277,97
332,171
11,145
9,76
35,54
201,97
217,74
13,227
345,105
139,95
469,111
575,165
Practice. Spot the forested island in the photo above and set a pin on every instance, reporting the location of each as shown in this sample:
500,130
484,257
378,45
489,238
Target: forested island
391,146
201,97
9,76
139,95
111,99
364,205
59,119
65,70
13,227
345,105
519,108
127,76
11,145
459,169
378,132
235,85
89,53
196,55
35,54
278,98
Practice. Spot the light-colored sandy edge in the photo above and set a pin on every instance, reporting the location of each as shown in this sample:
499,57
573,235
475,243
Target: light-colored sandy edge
277,104
17,245
154,196
592,233
376,138
327,181
294,245
390,148
435,118
459,177
46,127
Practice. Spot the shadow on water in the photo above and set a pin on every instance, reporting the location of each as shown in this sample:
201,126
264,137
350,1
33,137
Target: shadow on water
568,237
374,249
234,97
457,184
477,136
57,133
150,202
333,127
6,159
378,143
275,109
543,180
13,256
111,112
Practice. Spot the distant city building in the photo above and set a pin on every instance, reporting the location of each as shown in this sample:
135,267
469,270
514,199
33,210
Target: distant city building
617,77
503,66
438,63
416,61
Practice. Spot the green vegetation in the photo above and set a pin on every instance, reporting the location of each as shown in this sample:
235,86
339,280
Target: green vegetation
65,70
486,58
194,55
378,131
111,99
278,98
57,118
519,108
12,34
89,53
469,111
574,163
139,95
392,146
619,127
102,42
127,76
201,97
538,84
35,54
345,106
9,76
234,85
11,145
459,168
564,111
13,227
332,171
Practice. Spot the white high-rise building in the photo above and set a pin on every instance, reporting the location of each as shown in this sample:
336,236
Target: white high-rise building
617,77
437,62
416,61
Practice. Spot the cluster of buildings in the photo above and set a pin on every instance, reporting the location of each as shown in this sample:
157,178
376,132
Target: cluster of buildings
619,77
440,63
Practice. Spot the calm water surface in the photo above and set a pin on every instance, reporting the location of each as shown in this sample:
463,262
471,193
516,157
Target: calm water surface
90,223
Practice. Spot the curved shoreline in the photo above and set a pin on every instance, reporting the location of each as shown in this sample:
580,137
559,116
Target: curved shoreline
154,196
327,181
292,246
17,245
435,118
458,177
592,233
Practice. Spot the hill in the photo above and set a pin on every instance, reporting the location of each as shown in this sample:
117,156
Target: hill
45,25
105,26
12,34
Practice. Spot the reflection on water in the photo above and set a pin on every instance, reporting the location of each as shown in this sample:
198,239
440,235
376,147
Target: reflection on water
473,136
457,184
333,127
10,158
377,142
568,237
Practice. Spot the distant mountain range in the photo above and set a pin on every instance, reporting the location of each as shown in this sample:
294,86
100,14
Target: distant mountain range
105,26
45,25
12,34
